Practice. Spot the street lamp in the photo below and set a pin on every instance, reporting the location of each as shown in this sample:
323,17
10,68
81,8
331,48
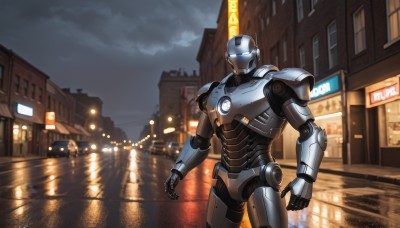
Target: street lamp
93,111
169,119
92,127
151,122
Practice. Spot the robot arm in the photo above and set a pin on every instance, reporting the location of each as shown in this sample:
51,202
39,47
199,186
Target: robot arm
310,149
193,153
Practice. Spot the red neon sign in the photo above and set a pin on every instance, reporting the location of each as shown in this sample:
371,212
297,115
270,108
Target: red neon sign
384,94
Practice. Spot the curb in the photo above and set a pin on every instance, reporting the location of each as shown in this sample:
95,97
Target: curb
344,173
33,159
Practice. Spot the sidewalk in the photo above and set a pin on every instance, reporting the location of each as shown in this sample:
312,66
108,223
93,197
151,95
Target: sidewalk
8,159
370,172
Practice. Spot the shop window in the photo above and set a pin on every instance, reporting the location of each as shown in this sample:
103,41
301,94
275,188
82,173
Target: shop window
359,30
392,111
393,20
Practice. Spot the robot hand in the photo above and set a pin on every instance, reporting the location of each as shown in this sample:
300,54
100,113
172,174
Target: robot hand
170,185
301,192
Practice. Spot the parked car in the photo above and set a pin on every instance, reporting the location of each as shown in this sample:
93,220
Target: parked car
64,148
86,147
172,149
156,147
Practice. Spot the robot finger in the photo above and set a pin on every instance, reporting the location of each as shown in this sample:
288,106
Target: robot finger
285,190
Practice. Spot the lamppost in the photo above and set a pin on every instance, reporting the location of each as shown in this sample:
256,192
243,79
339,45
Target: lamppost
151,122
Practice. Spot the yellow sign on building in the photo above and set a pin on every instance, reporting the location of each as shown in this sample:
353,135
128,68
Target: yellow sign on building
233,18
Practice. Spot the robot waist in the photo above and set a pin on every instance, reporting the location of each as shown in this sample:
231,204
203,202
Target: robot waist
270,173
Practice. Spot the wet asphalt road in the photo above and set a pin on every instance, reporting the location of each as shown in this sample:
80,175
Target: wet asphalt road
126,189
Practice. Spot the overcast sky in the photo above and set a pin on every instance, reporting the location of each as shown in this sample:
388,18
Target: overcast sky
115,50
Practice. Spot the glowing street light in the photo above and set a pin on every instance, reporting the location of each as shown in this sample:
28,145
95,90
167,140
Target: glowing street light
92,126
93,111
169,119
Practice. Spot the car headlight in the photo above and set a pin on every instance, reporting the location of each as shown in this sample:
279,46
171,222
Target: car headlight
50,148
115,148
93,146
62,149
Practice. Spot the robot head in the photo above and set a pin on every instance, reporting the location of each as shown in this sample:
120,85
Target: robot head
242,54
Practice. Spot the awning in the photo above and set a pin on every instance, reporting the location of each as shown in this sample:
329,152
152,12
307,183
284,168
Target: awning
72,130
80,128
61,129
32,119
5,111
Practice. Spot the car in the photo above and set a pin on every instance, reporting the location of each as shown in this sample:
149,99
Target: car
86,147
156,147
172,149
109,148
63,148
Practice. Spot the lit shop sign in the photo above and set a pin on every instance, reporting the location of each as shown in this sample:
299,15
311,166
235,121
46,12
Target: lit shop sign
24,110
325,87
50,120
192,126
384,94
233,18
169,130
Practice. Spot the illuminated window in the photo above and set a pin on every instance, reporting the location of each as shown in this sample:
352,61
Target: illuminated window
392,111
332,44
359,30
393,19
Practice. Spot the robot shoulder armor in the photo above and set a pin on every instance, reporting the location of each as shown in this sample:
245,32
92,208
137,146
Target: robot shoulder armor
263,70
206,89
301,81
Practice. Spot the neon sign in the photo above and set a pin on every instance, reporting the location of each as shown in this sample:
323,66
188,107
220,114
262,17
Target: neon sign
233,18
24,110
326,87
384,94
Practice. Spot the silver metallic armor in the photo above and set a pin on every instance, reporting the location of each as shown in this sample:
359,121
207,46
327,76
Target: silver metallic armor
247,110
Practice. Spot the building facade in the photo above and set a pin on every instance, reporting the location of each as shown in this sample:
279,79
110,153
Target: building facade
353,49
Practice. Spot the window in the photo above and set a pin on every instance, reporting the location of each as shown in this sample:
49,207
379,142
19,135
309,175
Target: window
315,43
393,19
313,3
332,44
48,103
25,87
300,14
302,57
359,30
275,55
273,7
1,76
392,111
16,84
33,91
284,48
40,96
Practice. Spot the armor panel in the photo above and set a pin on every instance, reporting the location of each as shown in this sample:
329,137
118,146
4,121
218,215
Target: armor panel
310,152
267,209
189,158
298,79
296,114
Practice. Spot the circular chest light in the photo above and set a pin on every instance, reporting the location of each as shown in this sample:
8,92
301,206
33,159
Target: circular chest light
225,105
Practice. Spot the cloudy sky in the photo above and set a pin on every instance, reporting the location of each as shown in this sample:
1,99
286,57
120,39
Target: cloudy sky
115,50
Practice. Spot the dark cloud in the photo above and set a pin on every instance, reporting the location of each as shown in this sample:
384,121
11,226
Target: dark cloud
115,50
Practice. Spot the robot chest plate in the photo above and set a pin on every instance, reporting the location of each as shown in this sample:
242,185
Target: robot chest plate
244,103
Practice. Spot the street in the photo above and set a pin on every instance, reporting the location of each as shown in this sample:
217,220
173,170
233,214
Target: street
126,189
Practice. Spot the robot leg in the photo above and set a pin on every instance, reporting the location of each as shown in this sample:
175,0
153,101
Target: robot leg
266,208
219,214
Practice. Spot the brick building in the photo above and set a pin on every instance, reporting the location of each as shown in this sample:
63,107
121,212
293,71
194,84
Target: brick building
352,49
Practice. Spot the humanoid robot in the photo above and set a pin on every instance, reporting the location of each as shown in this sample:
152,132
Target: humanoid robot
247,110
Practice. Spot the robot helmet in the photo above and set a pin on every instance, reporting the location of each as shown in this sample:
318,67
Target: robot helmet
242,54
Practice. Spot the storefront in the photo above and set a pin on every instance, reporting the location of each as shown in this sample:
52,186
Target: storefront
383,104
27,131
5,118
326,106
